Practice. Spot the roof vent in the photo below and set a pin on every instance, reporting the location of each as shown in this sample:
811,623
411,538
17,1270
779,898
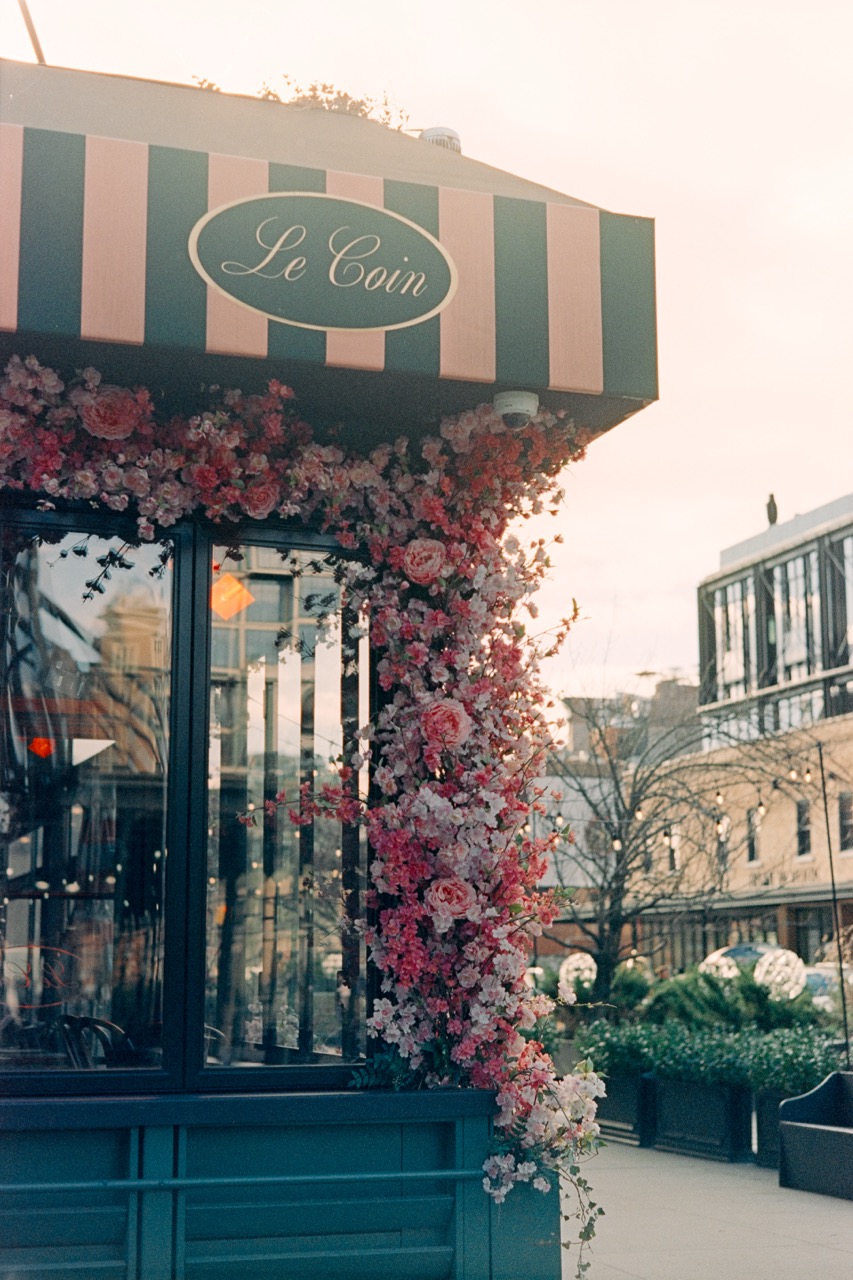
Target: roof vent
441,136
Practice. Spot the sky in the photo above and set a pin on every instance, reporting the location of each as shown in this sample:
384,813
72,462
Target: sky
730,122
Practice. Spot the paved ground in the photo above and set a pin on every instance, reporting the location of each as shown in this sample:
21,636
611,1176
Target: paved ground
670,1217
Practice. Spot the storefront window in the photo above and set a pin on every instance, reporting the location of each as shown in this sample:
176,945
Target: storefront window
86,657
285,959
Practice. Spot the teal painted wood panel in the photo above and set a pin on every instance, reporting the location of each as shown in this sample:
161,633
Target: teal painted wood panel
416,349
54,1235
362,1264
521,293
525,1232
628,306
51,263
402,1227
286,341
421,1215
175,294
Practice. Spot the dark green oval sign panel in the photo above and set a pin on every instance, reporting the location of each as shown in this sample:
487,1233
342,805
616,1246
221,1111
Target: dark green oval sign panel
323,263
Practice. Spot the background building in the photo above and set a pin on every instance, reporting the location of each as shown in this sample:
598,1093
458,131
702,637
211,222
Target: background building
727,822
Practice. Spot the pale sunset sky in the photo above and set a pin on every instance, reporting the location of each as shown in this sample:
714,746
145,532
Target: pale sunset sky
728,121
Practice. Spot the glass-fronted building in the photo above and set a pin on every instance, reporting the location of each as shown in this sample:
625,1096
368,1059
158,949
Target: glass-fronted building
776,624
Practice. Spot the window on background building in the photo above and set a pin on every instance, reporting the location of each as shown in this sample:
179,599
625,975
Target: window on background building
796,595
734,638
796,711
723,828
86,655
804,831
839,565
753,827
845,820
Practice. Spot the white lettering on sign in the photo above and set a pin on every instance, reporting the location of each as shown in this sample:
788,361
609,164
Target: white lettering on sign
397,281
289,239
346,268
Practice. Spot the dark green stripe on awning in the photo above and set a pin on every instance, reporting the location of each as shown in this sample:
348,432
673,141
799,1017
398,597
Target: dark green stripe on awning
51,262
628,306
521,292
286,341
175,294
416,348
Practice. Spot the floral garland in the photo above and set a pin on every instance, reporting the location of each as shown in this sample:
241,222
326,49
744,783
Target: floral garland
463,735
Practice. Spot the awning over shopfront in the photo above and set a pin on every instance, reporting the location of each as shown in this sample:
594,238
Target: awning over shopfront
230,240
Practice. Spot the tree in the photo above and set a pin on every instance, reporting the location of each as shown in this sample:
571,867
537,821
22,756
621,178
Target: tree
318,96
651,819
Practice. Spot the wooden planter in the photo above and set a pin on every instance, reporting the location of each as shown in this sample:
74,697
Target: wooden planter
364,1186
627,1112
709,1120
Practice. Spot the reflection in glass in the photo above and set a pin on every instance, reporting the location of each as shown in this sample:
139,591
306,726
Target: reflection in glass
86,629
285,968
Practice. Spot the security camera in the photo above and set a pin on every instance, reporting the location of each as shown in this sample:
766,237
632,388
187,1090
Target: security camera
516,407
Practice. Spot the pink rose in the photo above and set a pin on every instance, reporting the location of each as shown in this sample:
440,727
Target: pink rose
446,724
423,560
260,499
449,899
111,413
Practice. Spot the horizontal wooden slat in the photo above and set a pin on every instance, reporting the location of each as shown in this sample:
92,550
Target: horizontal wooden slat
321,1218
362,1264
94,1224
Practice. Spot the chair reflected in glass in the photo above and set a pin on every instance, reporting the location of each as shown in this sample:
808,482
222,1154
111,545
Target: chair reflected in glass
92,1043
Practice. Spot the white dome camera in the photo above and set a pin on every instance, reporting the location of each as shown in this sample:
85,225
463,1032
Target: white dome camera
516,407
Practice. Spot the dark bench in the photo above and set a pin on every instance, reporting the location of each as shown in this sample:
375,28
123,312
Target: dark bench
816,1138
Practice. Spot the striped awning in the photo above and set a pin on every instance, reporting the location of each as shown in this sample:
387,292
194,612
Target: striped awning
94,245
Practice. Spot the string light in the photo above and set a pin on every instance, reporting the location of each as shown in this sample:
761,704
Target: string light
762,808
638,814
792,774
617,845
719,797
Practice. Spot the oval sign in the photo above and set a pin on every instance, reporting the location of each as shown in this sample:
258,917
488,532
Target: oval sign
319,262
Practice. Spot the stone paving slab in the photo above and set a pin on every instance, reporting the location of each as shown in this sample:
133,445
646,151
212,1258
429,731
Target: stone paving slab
670,1217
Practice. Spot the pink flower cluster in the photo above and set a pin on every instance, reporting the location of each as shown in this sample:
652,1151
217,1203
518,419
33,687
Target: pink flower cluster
463,733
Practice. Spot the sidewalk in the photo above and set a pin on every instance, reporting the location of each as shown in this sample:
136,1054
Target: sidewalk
670,1217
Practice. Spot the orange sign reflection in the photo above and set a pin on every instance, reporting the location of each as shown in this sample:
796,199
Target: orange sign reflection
228,596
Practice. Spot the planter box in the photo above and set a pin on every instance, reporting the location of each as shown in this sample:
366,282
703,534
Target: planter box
816,1139
627,1112
767,1127
713,1121
358,1186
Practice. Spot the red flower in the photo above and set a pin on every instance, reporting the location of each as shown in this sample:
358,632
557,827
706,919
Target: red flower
260,499
446,724
111,413
423,560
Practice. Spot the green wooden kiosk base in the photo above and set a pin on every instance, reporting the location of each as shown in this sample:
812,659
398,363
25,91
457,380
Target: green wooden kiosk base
362,1186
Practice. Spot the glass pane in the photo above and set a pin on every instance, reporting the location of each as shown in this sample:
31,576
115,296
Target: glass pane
86,631
285,968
